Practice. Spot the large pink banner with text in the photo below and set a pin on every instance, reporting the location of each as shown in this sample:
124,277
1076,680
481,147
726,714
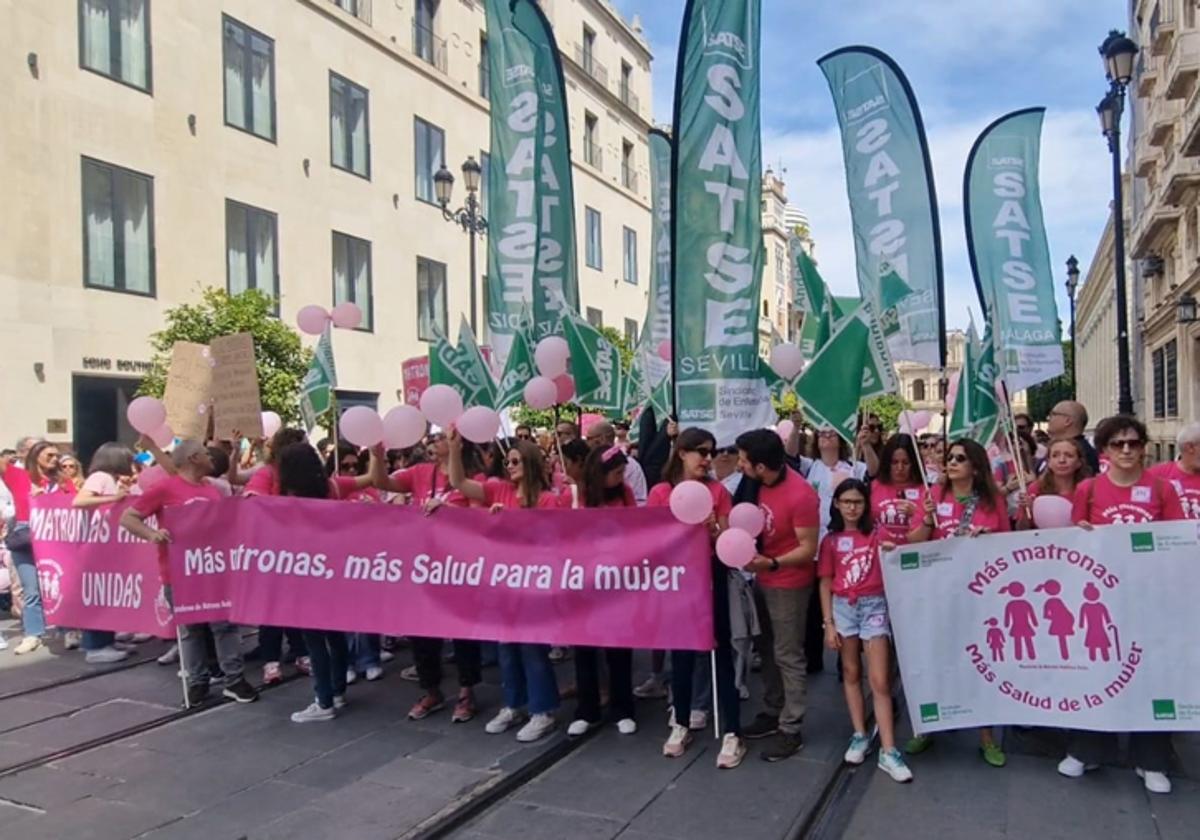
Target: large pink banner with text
605,577
93,574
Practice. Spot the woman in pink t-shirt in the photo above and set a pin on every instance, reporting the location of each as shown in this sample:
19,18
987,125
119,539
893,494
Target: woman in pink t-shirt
965,503
897,490
1125,494
1066,468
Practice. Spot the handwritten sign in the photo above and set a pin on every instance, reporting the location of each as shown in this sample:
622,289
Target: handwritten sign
237,404
189,389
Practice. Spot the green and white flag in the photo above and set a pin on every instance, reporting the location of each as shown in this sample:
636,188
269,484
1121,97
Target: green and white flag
893,207
813,298
830,388
596,366
519,367
462,368
716,221
531,204
1010,258
317,387
976,411
879,374
657,327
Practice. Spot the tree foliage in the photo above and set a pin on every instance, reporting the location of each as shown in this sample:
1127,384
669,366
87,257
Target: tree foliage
281,359
1043,397
887,407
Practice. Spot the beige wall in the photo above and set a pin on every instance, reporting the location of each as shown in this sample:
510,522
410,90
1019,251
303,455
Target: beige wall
1096,334
51,120
775,304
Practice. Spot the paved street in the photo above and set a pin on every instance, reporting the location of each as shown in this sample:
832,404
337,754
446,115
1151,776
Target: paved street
108,756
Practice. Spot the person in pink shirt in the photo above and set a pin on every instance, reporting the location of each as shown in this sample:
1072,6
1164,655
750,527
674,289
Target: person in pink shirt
264,481
1066,469
1184,472
897,490
1126,493
193,464
856,619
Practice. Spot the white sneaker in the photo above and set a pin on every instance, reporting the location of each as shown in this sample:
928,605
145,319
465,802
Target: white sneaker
3,643
170,657
627,726
698,720
72,639
856,753
313,713
351,676
892,763
105,656
733,750
410,674
1155,782
386,656
374,673
28,645
339,701
580,727
677,741
1073,768
539,726
503,720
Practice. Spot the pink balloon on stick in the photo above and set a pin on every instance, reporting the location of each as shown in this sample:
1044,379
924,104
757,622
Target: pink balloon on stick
479,424
664,350
691,502
347,316
163,436
785,429
551,355
312,319
747,517
441,405
403,426
736,548
540,393
361,426
146,414
564,387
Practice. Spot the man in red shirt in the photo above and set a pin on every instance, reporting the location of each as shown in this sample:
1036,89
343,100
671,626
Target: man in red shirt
784,575
1184,473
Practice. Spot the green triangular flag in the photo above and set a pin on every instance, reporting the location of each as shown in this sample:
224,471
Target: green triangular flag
519,367
830,388
462,368
595,365
892,288
316,389
976,412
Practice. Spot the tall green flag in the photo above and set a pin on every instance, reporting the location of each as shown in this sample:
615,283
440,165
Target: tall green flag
596,366
531,246
519,367
317,387
657,327
462,368
830,388
893,206
813,298
1010,258
976,411
716,222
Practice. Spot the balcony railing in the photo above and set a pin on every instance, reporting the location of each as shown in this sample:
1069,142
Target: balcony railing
429,47
587,60
361,9
1190,129
1162,27
629,98
593,154
629,178
1183,66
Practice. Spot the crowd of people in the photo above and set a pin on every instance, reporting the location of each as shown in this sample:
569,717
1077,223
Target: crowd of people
815,583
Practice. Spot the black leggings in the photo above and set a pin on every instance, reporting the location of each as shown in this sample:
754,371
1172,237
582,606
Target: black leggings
684,663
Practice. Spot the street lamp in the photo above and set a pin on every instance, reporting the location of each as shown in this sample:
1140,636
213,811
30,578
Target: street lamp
1072,285
1186,310
469,217
1118,53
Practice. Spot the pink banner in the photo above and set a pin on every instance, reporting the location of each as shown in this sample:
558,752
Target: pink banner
415,375
606,577
93,574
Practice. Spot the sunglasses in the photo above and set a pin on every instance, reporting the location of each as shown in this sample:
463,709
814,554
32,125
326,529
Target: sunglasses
852,502
513,462
957,458
702,451
524,437
1132,444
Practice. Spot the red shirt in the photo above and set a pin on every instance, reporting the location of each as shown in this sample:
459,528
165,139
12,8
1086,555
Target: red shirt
1151,499
264,482
499,491
787,505
566,499
886,501
1186,484
660,496
172,490
21,486
949,512
345,488
423,482
851,559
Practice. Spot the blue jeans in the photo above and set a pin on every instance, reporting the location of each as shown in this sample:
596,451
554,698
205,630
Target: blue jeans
364,650
32,618
97,639
527,676
327,653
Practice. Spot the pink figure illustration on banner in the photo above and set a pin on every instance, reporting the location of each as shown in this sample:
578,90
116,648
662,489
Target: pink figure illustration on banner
1059,615
1095,620
1021,621
995,639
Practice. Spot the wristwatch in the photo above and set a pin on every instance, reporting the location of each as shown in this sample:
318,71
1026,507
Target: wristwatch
774,564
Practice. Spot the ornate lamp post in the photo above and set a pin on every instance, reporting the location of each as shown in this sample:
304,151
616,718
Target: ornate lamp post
469,217
1072,286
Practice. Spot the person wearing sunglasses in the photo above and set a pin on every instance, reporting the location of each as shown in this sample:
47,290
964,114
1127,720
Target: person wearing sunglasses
965,503
1126,494
691,460
523,432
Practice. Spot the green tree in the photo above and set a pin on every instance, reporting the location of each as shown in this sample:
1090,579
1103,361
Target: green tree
282,361
887,407
1043,397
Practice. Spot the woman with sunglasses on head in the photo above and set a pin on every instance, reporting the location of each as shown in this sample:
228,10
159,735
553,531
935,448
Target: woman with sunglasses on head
897,490
1125,494
965,503
70,473
1066,468
526,673
691,460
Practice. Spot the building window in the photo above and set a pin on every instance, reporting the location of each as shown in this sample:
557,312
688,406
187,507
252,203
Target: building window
631,332
485,78
1166,380
430,146
118,229
628,97
594,255
485,171
766,309
249,80
591,142
352,275
251,249
628,174
432,315
589,50
428,46
918,390
349,126
361,9
114,40
629,242
595,317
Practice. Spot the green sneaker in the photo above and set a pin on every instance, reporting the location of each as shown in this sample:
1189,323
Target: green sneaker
917,744
993,755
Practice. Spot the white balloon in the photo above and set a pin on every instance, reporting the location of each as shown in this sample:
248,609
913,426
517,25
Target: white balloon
787,360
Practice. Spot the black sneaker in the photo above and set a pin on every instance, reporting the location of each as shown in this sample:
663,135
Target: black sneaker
763,726
240,691
784,745
197,693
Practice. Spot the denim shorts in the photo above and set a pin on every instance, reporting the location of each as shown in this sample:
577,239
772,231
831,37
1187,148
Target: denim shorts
866,618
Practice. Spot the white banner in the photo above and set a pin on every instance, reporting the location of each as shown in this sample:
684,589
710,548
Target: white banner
1063,628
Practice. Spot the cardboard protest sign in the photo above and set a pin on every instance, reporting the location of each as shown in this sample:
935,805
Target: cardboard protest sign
189,390
237,404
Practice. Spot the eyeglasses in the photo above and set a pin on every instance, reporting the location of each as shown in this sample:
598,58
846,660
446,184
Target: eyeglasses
852,502
957,458
1132,444
513,462
728,450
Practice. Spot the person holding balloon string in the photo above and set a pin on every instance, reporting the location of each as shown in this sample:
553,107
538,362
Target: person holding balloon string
1066,469
897,490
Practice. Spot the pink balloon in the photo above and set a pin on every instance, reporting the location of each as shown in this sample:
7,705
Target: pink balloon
747,517
271,423
361,426
479,424
146,414
540,393
664,350
735,548
162,436
551,355
441,405
785,429
1052,512
403,426
787,360
346,316
150,476
312,319
691,502
564,387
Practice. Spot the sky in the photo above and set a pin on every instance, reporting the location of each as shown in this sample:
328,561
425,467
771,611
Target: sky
969,62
